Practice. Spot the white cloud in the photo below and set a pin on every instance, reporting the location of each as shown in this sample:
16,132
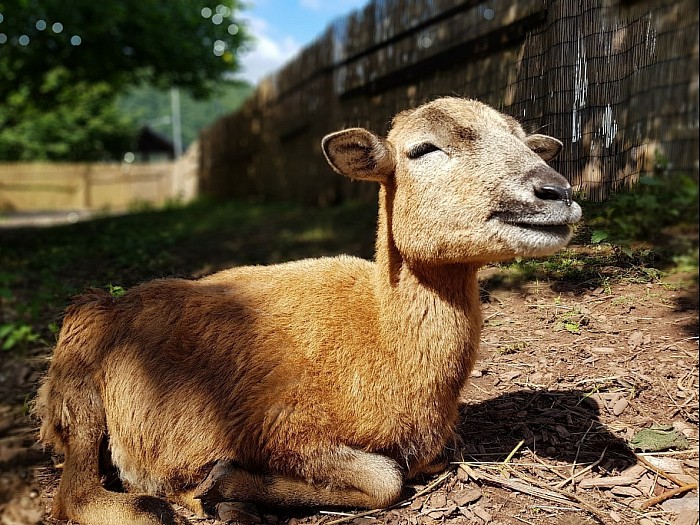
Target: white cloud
314,5
266,53
338,7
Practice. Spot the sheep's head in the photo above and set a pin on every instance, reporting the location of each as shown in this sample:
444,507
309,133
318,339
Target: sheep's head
464,183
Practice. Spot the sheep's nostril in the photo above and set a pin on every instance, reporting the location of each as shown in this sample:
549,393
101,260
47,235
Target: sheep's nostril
555,193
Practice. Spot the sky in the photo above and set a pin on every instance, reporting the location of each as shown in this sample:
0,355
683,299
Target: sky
281,28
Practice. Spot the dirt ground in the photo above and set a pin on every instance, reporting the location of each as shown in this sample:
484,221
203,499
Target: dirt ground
568,375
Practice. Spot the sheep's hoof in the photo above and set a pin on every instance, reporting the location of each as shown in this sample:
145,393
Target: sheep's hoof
208,489
236,512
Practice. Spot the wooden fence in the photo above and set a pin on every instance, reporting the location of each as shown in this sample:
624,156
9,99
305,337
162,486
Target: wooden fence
47,186
616,80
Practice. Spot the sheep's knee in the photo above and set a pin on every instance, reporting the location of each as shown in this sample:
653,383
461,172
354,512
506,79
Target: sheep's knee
377,476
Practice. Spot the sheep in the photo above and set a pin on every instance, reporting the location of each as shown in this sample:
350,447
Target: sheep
319,382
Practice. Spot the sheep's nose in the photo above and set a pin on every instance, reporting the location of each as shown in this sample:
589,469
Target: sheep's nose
555,193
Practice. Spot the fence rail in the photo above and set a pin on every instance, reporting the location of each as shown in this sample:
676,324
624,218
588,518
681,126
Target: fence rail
616,80
44,186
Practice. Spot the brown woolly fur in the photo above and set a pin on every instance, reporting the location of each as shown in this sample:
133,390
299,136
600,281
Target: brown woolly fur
318,382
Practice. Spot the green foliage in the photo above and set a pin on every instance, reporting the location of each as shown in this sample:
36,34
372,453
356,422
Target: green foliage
85,124
120,43
149,106
16,336
644,213
63,64
115,291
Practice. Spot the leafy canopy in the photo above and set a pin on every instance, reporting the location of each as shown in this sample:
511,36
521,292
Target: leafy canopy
175,42
63,63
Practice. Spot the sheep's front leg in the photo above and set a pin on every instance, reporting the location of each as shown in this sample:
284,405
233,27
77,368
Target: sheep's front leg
342,478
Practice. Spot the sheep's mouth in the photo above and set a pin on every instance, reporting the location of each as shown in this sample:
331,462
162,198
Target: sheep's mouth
558,229
552,223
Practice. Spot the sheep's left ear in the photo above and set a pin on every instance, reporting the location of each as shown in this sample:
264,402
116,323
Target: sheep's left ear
545,146
359,154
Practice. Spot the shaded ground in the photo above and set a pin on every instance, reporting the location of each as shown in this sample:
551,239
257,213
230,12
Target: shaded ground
579,353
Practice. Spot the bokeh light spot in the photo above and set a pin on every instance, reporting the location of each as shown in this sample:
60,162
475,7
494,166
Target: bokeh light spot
57,27
489,14
23,40
219,47
206,12
76,40
3,38
233,29
129,157
41,25
217,19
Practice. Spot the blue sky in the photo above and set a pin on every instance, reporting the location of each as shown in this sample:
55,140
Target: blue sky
282,27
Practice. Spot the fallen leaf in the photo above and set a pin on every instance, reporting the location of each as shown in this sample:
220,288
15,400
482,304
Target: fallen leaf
678,505
466,496
687,517
620,406
627,492
437,501
635,339
668,465
482,513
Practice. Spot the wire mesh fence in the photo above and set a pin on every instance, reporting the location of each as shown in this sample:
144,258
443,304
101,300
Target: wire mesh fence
616,81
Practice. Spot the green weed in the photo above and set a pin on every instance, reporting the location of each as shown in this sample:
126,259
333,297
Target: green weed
16,336
643,214
513,348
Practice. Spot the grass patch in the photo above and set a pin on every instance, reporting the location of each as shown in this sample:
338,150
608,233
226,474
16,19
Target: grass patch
41,268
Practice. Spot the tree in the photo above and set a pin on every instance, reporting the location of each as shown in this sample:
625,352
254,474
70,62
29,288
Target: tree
84,123
61,57
148,106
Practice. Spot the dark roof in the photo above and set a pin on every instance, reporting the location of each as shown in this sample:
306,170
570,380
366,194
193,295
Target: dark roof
150,141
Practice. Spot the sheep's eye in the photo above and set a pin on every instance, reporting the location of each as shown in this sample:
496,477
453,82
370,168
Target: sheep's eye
421,149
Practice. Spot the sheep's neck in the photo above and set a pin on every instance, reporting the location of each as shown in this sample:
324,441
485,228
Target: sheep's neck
429,314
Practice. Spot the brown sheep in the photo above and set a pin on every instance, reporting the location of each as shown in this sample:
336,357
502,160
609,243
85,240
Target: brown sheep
319,382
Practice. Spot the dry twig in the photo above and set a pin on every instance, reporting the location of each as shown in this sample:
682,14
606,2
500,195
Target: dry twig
668,495
659,471
535,489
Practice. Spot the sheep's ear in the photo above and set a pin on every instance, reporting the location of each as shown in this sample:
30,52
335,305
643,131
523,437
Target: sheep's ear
359,154
545,146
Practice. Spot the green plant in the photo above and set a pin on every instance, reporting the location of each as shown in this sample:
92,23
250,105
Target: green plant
643,213
513,348
16,335
115,291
